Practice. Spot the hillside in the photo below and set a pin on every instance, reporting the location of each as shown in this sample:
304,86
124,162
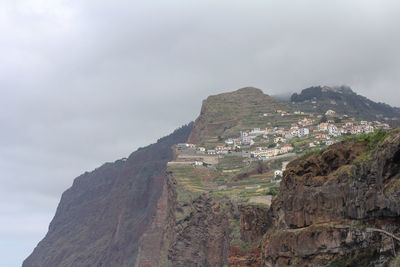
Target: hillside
343,101
253,182
102,217
226,114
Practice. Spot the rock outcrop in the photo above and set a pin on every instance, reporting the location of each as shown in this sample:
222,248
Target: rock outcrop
201,237
330,200
254,222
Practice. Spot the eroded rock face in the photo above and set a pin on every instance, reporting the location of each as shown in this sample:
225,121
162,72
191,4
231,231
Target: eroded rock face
254,222
328,200
314,245
101,218
251,258
201,238
326,187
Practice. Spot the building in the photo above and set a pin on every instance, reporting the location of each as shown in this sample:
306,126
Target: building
278,174
182,146
305,122
284,165
333,130
286,149
330,113
247,141
256,132
323,127
229,141
279,139
303,132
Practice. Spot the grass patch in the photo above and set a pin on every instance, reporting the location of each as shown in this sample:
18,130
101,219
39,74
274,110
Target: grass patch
371,140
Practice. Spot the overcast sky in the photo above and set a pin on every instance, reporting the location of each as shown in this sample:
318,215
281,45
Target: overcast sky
84,82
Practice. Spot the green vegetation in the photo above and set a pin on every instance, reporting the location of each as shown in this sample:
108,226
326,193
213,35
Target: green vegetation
271,192
323,119
372,140
316,151
230,162
243,246
357,258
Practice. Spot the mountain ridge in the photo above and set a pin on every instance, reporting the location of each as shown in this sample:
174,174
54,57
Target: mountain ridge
343,100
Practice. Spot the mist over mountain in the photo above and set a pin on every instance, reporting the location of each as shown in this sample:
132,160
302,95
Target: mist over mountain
343,100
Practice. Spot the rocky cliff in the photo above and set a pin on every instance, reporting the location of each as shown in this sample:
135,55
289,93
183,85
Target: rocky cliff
335,204
198,231
102,217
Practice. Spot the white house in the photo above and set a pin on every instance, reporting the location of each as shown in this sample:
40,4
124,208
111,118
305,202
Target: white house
330,113
303,132
333,130
256,132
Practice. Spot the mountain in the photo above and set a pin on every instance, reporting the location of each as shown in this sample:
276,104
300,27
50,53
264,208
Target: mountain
102,217
343,101
174,204
226,114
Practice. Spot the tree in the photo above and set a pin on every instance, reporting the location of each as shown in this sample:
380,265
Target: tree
323,119
338,120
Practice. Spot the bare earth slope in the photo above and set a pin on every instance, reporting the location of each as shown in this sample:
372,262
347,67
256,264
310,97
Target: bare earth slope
101,218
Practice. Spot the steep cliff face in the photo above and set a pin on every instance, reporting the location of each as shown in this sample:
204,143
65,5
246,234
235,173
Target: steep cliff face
329,202
101,218
254,222
341,182
199,236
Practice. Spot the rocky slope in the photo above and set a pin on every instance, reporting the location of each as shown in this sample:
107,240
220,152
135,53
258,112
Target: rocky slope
102,217
329,202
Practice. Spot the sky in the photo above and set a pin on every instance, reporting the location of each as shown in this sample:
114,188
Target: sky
86,82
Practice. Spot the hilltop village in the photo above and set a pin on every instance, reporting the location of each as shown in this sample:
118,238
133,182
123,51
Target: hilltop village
311,131
248,167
